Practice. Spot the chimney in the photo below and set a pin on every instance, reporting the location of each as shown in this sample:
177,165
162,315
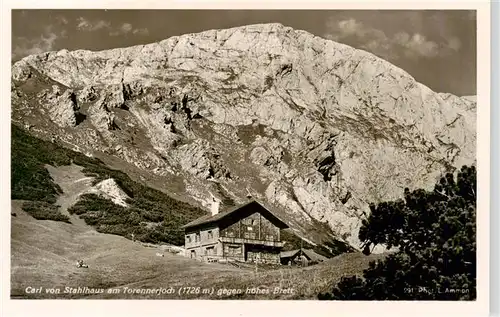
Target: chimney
214,208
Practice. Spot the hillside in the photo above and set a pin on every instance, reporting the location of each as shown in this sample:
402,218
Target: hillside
54,247
315,128
76,187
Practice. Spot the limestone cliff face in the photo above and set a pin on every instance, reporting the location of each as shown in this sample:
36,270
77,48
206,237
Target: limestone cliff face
315,128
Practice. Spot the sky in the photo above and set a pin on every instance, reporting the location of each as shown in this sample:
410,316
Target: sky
438,48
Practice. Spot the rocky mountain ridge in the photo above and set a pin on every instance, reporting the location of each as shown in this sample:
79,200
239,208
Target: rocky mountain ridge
315,128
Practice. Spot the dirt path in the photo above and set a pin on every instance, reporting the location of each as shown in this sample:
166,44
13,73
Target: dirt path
73,183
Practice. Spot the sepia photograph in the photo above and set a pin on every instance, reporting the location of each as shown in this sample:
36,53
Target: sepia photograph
184,154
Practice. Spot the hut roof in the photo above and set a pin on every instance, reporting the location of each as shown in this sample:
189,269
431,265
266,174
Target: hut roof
233,211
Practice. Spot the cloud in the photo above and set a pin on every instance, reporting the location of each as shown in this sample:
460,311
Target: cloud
88,26
390,47
454,43
61,20
351,27
416,45
142,31
44,43
127,28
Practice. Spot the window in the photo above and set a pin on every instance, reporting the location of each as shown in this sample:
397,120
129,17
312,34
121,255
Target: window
188,239
210,234
210,251
248,222
232,250
197,237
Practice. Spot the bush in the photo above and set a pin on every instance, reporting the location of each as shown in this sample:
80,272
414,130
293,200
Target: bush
30,180
108,217
435,233
44,211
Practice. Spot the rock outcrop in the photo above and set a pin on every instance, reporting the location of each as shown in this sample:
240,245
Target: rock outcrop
62,108
109,189
316,128
87,94
102,118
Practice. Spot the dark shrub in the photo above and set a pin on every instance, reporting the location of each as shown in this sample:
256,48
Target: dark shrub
44,211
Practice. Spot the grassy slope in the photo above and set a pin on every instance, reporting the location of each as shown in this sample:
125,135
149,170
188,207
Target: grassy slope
43,253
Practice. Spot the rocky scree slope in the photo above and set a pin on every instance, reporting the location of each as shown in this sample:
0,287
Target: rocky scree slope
314,128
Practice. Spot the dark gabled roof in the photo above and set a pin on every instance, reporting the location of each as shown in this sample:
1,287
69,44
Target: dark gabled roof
313,256
288,254
221,215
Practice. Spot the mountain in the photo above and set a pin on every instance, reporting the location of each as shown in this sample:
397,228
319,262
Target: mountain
316,129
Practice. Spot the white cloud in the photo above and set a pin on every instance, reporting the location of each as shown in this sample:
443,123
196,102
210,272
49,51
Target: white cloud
44,43
61,20
127,28
376,41
142,31
416,45
88,26
454,43
351,27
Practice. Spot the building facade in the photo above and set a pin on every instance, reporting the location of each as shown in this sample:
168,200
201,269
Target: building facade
248,233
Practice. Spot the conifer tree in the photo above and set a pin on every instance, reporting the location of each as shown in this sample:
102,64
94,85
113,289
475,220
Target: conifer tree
434,233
